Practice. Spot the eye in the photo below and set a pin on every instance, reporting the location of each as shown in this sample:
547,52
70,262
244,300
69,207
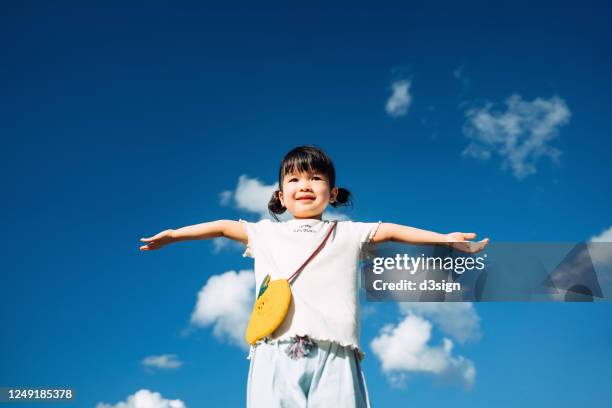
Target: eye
292,179
317,177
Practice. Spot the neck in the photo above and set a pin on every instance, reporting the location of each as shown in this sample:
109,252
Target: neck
314,217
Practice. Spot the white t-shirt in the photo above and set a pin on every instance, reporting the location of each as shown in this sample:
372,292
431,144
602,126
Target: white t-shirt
325,301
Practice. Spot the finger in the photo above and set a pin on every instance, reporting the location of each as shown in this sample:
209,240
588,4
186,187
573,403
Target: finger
146,239
469,235
161,234
480,246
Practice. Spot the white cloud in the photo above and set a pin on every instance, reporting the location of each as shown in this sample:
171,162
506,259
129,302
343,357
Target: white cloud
399,102
225,302
404,348
253,196
250,195
520,134
166,361
145,399
605,236
456,319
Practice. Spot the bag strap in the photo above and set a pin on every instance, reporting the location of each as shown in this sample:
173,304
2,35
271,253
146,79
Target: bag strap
316,251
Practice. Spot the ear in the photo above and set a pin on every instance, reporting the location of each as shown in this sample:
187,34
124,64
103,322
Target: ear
334,194
280,197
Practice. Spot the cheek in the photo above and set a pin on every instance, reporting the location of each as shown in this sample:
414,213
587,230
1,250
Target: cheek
323,192
288,190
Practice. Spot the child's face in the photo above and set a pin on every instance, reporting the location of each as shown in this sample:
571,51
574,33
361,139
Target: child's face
305,195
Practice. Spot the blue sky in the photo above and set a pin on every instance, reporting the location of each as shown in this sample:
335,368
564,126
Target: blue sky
120,121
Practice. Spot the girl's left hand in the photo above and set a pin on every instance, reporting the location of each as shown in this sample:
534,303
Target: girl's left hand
459,241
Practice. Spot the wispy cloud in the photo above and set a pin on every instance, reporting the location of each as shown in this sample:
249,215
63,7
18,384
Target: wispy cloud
145,399
400,100
460,75
458,72
225,197
520,134
219,244
164,361
225,303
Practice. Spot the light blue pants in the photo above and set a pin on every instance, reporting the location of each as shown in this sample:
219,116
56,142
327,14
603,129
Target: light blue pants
329,376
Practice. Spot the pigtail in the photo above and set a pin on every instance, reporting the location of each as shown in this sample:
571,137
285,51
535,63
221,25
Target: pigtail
343,198
275,206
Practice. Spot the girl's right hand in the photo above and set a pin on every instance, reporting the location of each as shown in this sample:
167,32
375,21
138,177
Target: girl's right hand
157,241
460,241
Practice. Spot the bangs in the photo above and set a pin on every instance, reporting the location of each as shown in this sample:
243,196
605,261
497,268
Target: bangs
307,159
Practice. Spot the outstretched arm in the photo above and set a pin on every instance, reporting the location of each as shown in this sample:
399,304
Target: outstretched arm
215,229
410,235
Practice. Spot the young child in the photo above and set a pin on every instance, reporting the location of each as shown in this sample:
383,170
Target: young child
313,358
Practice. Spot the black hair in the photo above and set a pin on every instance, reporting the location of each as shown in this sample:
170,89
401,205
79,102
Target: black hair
307,158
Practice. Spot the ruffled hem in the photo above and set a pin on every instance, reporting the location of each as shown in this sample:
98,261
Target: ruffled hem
287,339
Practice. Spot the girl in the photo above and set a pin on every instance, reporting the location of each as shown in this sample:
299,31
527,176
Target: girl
313,358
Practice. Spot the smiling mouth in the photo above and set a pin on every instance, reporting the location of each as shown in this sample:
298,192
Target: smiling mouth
305,198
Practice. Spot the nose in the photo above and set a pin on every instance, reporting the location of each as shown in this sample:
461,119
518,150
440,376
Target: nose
305,185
